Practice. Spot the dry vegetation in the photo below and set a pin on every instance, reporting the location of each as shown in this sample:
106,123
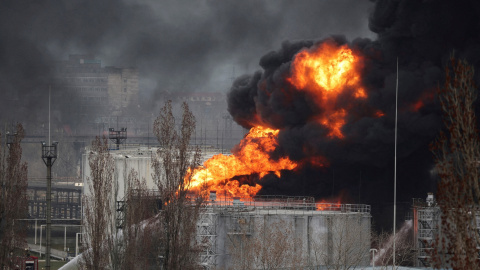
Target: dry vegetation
149,237
13,197
178,218
456,156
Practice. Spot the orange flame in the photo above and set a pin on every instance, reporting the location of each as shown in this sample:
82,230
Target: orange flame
379,114
326,72
335,122
328,67
425,98
252,157
324,205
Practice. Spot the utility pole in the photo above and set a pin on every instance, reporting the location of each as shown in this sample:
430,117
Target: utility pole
117,136
49,155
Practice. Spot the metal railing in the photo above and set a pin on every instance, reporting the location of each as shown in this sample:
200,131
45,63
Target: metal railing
298,205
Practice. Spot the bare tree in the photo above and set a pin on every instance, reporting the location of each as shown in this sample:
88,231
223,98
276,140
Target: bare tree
271,245
344,246
139,229
108,244
277,247
404,247
13,197
241,248
98,205
179,214
456,154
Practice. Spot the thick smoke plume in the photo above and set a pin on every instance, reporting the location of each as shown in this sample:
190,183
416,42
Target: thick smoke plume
422,35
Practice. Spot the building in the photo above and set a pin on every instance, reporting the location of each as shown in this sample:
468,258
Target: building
94,89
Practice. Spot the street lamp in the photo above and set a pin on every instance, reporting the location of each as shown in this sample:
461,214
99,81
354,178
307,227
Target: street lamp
49,155
373,250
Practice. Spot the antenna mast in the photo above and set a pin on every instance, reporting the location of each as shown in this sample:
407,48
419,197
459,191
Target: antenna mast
49,97
395,173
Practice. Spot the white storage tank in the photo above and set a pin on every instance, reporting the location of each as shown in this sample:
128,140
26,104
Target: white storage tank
281,232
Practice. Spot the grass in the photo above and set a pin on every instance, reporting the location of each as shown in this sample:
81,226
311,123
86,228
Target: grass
54,265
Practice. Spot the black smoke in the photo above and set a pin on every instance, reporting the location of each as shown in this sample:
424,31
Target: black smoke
421,35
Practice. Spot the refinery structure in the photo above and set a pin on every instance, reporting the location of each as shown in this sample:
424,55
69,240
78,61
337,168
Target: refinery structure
426,225
230,229
319,234
427,229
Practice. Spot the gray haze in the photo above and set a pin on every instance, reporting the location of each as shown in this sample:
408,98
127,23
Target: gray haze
176,45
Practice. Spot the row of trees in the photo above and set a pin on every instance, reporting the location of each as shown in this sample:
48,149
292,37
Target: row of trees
149,239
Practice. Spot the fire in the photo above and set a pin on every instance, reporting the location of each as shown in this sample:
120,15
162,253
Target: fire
252,157
326,72
360,93
335,122
379,114
329,67
324,205
425,98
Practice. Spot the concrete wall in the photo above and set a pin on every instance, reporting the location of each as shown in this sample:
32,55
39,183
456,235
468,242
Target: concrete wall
318,237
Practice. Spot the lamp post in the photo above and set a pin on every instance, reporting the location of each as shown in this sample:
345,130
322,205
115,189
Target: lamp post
373,250
49,155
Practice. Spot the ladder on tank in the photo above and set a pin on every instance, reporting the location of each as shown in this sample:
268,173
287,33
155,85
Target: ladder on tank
207,239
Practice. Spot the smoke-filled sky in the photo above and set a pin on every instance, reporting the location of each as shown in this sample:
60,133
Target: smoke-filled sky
177,45
203,45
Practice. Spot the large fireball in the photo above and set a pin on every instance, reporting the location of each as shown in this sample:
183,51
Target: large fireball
325,72
252,157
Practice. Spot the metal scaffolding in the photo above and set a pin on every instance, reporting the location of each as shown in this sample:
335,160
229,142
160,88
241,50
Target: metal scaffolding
117,136
428,225
207,238
426,222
